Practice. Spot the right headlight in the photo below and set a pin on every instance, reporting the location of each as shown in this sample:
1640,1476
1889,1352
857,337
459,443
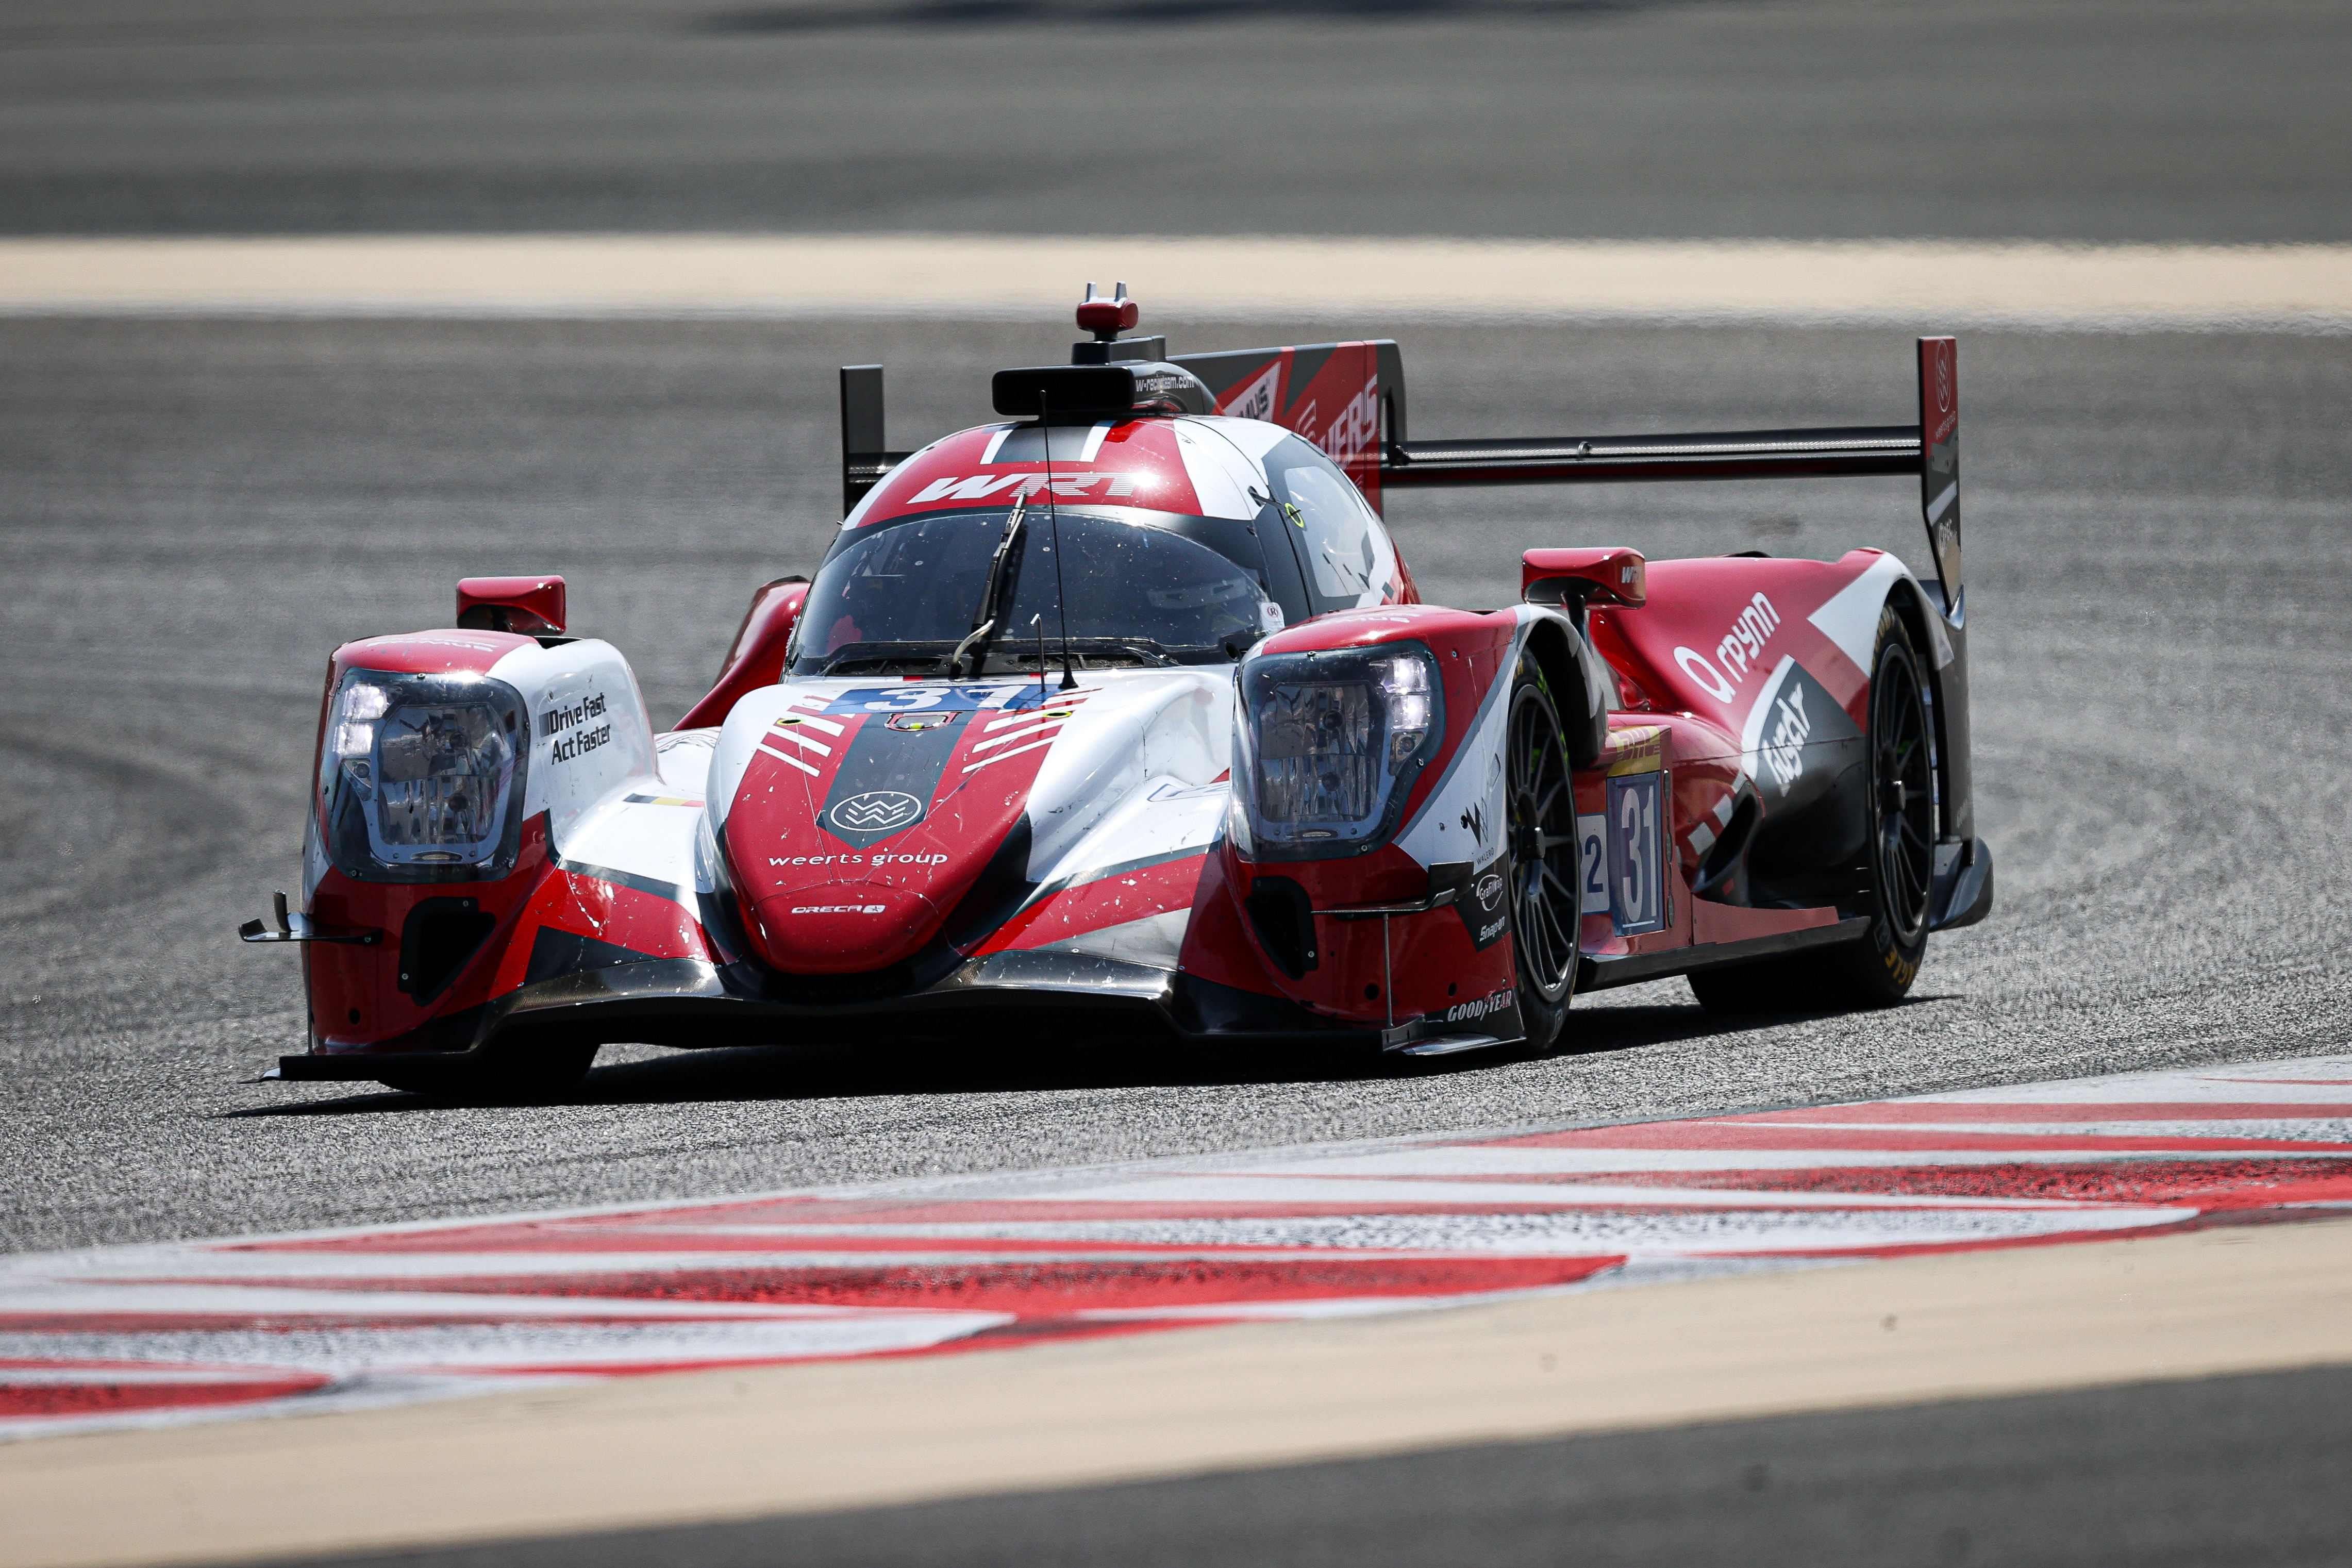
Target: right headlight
1331,745
420,776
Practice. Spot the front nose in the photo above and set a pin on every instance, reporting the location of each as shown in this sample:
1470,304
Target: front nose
838,928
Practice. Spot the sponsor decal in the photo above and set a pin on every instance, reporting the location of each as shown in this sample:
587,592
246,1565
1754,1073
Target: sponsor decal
876,811
1148,387
1355,428
1255,401
579,743
1484,905
1474,822
1710,680
1639,751
1740,651
1005,487
1486,1006
884,783
837,909
1797,740
557,720
1743,646
885,859
1783,751
567,724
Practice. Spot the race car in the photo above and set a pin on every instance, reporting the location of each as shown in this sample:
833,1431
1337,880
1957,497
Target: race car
1124,709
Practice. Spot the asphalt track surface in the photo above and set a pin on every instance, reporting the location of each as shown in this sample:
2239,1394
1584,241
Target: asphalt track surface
2241,1471
195,511
2077,119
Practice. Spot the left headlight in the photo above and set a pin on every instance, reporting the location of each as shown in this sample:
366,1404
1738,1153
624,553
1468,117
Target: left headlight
1331,742
420,776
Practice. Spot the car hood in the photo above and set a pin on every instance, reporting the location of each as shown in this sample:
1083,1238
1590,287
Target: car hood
861,821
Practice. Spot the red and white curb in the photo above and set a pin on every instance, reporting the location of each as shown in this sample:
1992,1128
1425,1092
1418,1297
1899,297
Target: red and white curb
351,1318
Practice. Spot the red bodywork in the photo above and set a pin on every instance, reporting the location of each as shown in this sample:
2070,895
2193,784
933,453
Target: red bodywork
1697,688
526,605
756,657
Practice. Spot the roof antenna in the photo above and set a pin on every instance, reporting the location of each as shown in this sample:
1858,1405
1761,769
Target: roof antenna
1053,521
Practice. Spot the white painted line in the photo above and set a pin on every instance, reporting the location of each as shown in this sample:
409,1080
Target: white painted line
788,757
1021,734
2305,287
1015,752
779,733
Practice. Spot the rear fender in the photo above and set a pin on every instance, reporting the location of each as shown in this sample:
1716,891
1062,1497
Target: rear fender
1778,653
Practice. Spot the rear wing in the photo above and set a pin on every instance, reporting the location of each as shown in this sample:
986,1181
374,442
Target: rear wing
1349,399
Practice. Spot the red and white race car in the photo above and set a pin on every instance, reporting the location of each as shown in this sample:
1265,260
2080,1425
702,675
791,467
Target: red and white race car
1126,708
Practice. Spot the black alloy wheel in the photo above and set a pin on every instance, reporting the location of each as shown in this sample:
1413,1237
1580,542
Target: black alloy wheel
1544,878
1899,826
1903,846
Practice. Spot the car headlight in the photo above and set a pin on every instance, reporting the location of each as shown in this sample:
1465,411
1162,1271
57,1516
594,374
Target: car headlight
420,776
1331,742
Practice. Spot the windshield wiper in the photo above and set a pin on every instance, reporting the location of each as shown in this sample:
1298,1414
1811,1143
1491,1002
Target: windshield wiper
1107,649
992,595
855,655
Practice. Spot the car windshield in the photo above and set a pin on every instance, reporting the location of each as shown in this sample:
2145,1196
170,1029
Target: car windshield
903,594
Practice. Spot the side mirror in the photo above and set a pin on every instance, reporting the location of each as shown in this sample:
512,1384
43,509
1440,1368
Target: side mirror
1611,575
532,607
756,657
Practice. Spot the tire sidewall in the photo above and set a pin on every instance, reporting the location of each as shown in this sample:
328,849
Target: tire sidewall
1543,1020
1894,962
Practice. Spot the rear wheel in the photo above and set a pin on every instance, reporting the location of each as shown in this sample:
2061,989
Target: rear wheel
1899,859
1543,869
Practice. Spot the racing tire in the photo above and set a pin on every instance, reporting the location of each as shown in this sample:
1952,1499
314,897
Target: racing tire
506,1078
1899,808
1544,872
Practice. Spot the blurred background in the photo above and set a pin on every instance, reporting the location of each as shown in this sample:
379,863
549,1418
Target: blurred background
2069,120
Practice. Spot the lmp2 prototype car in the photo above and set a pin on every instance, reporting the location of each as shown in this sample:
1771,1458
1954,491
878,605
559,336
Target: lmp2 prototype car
1125,706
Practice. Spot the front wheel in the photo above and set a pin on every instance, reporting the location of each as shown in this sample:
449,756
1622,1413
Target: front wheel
1543,867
